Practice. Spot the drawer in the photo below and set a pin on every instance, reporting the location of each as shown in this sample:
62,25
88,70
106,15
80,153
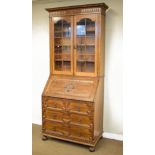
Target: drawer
80,107
56,104
81,119
55,128
57,116
54,115
80,132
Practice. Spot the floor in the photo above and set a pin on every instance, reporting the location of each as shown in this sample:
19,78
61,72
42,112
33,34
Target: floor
58,147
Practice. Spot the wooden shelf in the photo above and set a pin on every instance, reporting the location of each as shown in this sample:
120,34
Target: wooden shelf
58,59
62,37
61,31
80,60
58,37
62,59
90,31
57,31
86,61
85,54
80,36
85,44
63,53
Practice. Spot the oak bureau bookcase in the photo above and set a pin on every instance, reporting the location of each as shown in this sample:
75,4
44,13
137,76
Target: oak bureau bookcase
72,100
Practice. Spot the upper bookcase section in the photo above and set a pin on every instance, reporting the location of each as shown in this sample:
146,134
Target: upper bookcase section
78,9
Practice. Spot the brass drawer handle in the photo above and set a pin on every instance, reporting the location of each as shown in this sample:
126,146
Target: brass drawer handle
66,120
91,125
67,110
55,105
88,112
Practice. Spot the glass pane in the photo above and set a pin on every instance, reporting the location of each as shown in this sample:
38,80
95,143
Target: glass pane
67,65
57,29
90,28
80,66
66,29
58,65
81,28
85,45
90,66
62,45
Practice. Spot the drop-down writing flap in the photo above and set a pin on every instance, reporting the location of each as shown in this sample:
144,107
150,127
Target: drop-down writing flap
72,88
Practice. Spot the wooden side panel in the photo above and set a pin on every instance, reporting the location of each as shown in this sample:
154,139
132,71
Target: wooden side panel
98,114
51,29
101,41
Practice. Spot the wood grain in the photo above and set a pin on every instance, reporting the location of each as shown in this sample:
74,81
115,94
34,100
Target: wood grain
72,100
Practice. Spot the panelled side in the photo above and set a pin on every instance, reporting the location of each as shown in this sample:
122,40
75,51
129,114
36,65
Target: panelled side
98,112
101,54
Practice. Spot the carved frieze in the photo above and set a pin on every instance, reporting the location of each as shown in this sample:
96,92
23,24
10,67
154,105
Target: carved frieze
75,12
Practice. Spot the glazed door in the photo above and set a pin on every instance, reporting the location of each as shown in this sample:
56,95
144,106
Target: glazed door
62,45
85,45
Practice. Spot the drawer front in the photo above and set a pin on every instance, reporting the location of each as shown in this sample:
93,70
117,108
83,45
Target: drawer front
68,119
80,107
68,111
80,132
55,104
55,128
81,120
53,115
69,106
